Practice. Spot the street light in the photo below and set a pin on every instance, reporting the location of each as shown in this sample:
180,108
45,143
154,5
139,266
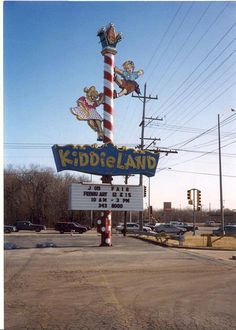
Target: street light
220,176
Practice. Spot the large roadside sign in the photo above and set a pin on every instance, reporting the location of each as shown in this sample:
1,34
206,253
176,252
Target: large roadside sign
91,196
105,160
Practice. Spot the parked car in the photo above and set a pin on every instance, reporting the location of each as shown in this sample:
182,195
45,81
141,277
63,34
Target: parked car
131,227
176,223
210,223
28,225
9,228
230,230
67,227
150,225
86,226
169,229
181,224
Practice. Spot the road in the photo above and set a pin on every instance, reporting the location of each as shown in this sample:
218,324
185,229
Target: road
131,285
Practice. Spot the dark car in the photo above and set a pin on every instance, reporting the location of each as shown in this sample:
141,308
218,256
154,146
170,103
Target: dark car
9,228
230,230
169,229
28,225
86,226
68,227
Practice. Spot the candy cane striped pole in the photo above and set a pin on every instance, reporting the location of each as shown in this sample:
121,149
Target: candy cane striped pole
108,100
106,236
109,38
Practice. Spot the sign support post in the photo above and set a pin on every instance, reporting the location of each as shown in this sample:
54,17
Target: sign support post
109,39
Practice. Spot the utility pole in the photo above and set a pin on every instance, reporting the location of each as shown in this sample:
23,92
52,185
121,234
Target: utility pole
143,99
220,175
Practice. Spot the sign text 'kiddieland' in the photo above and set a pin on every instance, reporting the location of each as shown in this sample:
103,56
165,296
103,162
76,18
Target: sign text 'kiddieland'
105,160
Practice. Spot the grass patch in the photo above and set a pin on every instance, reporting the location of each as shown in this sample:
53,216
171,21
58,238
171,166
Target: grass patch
197,241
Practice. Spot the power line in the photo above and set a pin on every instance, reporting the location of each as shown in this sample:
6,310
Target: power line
183,44
165,33
201,83
196,44
205,107
170,41
203,173
204,154
208,95
199,64
206,132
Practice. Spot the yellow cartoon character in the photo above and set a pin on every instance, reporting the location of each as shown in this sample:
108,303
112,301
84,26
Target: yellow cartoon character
86,110
128,83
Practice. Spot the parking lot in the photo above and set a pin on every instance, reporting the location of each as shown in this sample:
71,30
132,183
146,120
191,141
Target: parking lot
131,285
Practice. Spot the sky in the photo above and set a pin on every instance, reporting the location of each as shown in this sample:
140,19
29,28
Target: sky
187,51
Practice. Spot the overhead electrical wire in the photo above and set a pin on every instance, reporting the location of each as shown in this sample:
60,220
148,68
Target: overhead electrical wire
210,130
196,44
186,129
216,98
211,142
183,45
158,46
170,41
201,83
206,106
203,100
189,106
224,122
207,153
164,35
204,173
209,27
198,65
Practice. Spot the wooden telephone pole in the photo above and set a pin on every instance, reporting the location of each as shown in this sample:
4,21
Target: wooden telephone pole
144,99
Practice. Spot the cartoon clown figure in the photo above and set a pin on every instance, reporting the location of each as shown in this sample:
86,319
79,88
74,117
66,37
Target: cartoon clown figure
128,83
86,110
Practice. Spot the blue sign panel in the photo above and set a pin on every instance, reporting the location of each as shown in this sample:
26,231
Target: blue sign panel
105,160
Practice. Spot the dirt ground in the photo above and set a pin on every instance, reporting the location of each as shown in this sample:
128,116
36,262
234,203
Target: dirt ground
131,285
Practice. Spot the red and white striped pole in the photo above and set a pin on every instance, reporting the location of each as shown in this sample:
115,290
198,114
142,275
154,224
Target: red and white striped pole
109,39
106,235
108,96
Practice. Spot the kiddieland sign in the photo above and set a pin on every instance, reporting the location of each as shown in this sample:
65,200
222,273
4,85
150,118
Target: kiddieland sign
105,160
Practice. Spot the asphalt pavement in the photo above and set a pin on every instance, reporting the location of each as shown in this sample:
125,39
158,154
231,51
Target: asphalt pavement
131,285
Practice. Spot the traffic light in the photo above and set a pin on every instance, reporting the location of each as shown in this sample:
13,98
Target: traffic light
189,197
144,191
199,201
151,209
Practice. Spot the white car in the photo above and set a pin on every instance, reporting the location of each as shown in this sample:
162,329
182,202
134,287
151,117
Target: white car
130,226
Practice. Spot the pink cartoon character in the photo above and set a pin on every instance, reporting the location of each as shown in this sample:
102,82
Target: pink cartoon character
86,110
128,83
